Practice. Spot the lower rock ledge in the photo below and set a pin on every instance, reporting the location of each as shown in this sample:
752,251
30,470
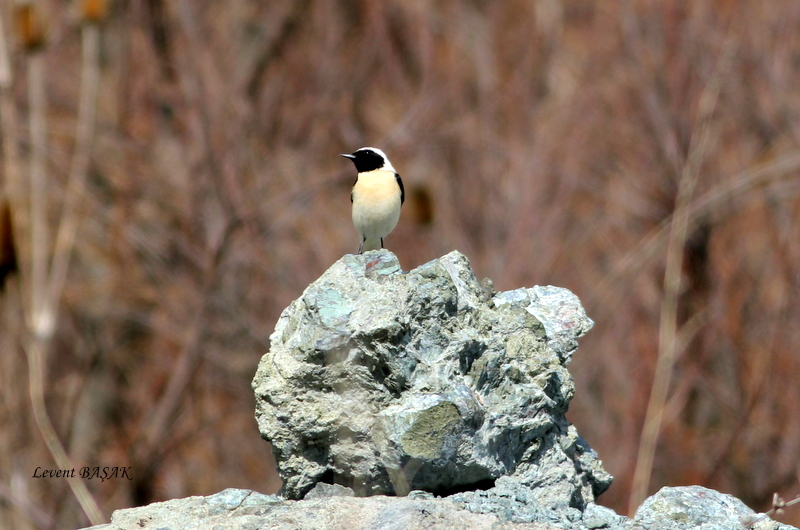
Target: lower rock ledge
502,507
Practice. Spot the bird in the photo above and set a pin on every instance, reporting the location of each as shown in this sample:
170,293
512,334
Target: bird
376,197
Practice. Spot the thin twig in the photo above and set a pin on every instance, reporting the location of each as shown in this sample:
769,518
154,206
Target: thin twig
668,338
8,129
733,188
668,331
778,505
39,321
42,318
35,353
84,134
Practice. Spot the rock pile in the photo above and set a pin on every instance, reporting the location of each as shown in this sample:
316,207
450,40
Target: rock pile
426,400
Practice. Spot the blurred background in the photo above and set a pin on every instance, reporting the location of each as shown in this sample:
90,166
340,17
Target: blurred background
171,181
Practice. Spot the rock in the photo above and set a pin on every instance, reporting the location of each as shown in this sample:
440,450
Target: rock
322,490
254,510
596,517
386,382
228,509
698,508
234,509
519,503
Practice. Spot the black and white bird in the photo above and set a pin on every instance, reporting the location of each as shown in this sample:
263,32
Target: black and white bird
377,196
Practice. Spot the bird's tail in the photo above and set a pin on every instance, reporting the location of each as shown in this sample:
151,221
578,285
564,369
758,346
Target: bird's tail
370,243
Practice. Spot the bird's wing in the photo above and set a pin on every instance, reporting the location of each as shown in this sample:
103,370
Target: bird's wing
402,191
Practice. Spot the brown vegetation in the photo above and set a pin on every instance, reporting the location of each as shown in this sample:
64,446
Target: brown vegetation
162,224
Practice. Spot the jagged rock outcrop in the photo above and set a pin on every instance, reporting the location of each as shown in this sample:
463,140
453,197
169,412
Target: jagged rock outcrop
435,389
386,382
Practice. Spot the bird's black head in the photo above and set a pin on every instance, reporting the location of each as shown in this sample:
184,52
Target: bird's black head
368,159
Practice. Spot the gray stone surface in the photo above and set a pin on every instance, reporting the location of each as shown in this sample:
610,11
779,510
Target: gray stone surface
387,382
335,508
698,508
235,509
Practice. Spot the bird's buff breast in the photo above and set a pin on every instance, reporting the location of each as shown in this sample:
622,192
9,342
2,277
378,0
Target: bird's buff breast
376,203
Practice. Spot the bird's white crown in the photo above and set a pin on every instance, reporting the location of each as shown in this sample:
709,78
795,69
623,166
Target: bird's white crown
386,164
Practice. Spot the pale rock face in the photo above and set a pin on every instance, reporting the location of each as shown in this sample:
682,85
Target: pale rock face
387,382
329,507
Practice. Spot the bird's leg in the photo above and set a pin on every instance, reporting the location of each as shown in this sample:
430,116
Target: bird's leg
361,246
381,242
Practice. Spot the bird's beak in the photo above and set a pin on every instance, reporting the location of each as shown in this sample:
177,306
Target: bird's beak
351,157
